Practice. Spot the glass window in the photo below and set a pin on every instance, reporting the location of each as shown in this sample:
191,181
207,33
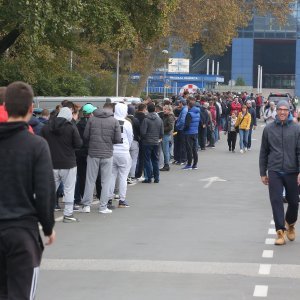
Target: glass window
259,34
248,34
259,23
280,35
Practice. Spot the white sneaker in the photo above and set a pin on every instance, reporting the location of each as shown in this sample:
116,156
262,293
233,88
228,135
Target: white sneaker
105,211
117,197
242,151
85,209
245,150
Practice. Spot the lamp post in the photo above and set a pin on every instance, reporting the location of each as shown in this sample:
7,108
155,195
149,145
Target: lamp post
165,53
118,70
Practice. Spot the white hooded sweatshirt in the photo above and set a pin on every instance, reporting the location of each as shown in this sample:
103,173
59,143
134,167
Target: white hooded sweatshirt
126,129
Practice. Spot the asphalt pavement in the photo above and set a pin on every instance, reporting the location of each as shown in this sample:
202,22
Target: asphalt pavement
200,234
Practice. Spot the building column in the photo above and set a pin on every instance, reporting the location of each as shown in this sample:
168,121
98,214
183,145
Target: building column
242,60
297,69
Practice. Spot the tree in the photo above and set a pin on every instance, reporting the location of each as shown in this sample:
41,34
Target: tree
240,82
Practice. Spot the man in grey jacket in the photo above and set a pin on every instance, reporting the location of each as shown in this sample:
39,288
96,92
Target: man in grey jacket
101,133
152,131
280,157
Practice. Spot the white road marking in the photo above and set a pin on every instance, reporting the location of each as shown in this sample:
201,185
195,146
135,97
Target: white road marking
268,254
272,222
158,266
211,180
264,269
260,291
271,231
270,241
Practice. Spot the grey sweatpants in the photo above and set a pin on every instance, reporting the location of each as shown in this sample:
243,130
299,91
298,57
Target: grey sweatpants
68,178
93,165
121,167
134,153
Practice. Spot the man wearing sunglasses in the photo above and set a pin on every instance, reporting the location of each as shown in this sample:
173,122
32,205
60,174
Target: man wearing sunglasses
279,164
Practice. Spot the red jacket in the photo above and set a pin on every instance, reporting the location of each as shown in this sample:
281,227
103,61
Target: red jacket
3,114
236,106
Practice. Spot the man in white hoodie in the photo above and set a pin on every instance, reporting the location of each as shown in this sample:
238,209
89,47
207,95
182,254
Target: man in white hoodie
121,155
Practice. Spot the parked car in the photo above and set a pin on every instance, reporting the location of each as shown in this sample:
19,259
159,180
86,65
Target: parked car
276,97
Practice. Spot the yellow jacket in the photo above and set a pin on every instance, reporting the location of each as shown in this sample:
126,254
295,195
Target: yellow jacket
246,121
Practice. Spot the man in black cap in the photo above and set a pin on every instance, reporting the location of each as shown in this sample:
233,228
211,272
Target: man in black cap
279,164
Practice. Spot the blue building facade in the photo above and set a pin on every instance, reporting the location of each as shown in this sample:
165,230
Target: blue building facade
263,42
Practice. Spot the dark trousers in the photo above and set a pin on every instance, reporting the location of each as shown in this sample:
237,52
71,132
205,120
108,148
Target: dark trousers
231,139
202,136
20,257
81,176
151,161
140,162
257,112
276,183
191,149
249,138
180,147
210,136
98,184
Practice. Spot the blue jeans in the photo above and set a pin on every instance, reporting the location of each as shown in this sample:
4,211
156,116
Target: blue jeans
151,155
166,148
216,133
243,138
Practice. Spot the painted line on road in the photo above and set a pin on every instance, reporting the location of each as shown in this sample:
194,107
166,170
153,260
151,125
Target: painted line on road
270,241
264,269
160,266
271,231
261,291
268,254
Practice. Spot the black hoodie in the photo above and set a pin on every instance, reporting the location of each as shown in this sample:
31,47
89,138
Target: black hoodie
27,191
63,138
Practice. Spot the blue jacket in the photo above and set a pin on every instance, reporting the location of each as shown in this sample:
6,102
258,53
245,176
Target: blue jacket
181,119
192,121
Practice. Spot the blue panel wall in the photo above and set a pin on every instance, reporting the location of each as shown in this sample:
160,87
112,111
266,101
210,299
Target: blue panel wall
297,72
242,60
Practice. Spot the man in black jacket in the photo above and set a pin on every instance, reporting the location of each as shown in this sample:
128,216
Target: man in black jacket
280,157
27,197
152,131
63,138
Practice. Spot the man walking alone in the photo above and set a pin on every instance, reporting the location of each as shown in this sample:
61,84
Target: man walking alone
280,157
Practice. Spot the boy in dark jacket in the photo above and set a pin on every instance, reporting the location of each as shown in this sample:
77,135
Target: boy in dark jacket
27,197
63,138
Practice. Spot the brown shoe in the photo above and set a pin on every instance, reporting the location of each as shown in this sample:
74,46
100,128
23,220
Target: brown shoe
280,237
290,233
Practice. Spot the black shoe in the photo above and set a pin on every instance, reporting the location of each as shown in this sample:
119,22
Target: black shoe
230,149
146,181
165,168
70,219
156,181
57,207
110,205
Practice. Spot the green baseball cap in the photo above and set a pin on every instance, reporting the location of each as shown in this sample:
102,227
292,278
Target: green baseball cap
88,109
